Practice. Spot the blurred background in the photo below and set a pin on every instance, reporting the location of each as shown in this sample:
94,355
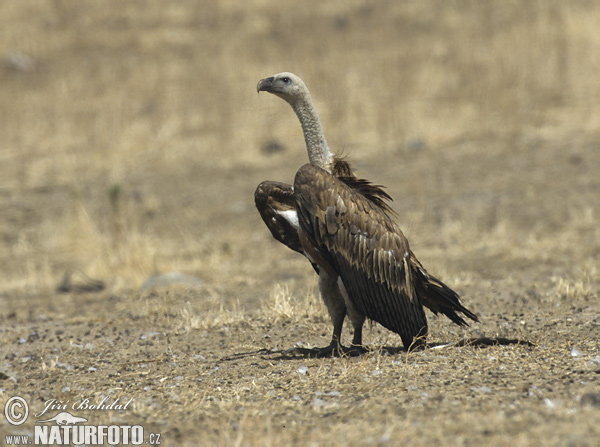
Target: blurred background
132,137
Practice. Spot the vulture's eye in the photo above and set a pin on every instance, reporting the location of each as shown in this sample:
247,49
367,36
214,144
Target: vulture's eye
286,80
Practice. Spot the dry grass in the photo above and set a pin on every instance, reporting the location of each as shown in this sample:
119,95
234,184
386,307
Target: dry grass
132,139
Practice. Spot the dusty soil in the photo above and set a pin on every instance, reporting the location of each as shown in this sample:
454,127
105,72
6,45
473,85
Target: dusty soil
132,142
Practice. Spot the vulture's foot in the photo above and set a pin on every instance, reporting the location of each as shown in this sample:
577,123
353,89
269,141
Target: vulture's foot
353,350
333,350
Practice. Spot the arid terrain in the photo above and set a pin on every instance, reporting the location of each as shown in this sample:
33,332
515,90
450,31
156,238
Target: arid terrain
132,140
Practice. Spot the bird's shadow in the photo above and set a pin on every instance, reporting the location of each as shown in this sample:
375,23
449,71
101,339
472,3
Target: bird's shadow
297,353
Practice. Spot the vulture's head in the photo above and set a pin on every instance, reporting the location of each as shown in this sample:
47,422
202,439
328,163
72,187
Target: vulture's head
285,85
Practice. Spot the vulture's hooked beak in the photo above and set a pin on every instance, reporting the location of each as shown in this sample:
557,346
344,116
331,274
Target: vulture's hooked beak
264,85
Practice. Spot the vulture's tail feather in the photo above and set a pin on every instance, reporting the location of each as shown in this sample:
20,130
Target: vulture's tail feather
440,298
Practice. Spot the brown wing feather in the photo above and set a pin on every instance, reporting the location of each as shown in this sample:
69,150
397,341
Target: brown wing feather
364,247
273,200
277,206
374,193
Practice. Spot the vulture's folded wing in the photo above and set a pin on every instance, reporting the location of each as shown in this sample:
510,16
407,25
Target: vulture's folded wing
363,245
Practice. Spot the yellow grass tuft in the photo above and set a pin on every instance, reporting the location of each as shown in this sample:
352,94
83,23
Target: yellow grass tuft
573,290
216,315
282,305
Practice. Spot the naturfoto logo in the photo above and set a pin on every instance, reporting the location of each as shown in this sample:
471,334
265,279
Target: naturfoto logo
65,428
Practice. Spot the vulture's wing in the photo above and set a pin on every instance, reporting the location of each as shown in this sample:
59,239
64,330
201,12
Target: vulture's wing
277,206
357,239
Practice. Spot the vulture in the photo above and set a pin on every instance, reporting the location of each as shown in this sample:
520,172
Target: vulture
345,227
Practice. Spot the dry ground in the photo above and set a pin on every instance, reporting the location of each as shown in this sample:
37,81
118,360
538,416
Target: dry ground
131,142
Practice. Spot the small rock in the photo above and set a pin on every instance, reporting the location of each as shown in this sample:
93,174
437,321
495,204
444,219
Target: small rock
414,145
482,389
340,21
590,400
166,280
78,282
575,352
19,61
318,403
272,147
149,335
6,373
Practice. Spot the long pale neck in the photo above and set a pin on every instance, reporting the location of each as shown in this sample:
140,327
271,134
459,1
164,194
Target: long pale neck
318,151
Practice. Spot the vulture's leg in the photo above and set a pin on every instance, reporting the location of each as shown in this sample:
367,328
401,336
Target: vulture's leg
357,319
333,296
337,310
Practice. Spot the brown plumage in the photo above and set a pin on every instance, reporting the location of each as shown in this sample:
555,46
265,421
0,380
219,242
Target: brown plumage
345,227
276,203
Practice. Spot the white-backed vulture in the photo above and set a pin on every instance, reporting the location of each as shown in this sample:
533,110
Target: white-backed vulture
346,229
